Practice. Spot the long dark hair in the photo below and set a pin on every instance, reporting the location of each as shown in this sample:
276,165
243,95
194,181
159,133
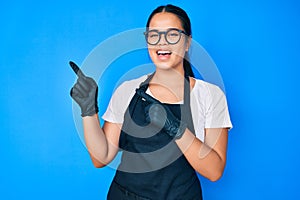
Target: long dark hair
186,24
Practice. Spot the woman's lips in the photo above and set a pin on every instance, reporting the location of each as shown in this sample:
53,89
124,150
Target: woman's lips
163,54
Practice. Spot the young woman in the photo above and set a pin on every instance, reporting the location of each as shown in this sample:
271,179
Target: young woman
168,124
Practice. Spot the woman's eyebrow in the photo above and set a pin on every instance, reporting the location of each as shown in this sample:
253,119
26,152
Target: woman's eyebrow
162,29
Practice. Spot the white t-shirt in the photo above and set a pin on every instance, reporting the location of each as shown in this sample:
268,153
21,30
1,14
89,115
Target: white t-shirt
208,105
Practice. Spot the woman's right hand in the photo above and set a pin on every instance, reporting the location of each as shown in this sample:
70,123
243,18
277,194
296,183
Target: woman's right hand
162,117
85,92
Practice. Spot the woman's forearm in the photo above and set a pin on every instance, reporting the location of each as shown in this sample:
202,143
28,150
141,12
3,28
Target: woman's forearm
205,159
95,140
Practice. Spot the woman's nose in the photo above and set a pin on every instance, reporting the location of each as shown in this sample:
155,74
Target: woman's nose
162,40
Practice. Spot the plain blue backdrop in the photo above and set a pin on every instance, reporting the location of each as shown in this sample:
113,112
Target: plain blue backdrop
255,45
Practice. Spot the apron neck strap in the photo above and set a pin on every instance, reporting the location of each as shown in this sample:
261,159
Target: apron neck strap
186,97
144,85
187,112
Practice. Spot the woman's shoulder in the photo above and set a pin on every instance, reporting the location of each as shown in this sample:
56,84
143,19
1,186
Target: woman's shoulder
135,81
132,83
205,88
127,87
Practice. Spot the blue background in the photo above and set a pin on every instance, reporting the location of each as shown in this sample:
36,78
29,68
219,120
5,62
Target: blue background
255,45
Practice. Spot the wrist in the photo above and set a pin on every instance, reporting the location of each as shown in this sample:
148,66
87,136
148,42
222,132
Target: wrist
90,112
181,129
90,116
176,129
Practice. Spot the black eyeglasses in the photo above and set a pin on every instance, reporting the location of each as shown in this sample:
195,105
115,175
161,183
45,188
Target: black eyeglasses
172,36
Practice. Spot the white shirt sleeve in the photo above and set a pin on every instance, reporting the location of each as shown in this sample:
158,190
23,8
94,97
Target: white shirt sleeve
209,108
120,100
118,105
217,114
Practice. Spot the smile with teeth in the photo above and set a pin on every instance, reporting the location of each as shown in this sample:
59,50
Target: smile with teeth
163,53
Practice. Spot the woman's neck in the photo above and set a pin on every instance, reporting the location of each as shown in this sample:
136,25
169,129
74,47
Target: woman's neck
168,77
167,85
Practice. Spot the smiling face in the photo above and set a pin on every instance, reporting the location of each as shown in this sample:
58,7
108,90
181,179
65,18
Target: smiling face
164,55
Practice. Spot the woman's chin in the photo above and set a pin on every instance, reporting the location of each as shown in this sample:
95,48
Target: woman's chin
163,66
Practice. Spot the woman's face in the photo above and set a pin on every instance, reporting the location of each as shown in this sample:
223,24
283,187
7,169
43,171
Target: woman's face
163,54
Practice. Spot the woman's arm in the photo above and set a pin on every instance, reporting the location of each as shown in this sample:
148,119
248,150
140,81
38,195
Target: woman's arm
102,143
208,158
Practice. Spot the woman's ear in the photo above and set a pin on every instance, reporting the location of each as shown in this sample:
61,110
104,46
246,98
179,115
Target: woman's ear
188,43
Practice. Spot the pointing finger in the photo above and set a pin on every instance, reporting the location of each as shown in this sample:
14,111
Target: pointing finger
76,69
74,66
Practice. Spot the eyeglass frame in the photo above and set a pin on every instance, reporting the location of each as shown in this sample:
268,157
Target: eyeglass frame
165,33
